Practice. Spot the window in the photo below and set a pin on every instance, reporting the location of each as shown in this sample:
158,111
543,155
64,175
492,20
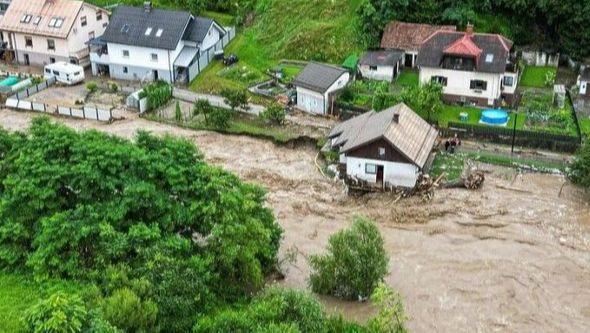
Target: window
381,151
478,85
28,41
76,73
104,25
83,21
159,32
26,18
51,44
148,31
91,35
59,22
125,70
370,169
56,73
373,68
37,20
125,28
125,53
489,58
99,16
440,80
47,70
508,81
154,57
52,22
52,60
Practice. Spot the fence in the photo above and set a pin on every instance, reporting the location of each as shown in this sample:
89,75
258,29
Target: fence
205,58
17,101
501,135
35,89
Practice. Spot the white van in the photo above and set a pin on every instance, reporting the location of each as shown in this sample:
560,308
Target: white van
64,72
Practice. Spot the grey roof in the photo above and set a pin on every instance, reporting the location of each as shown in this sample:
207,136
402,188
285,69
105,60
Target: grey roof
412,136
431,51
197,29
382,58
128,26
585,76
318,77
185,57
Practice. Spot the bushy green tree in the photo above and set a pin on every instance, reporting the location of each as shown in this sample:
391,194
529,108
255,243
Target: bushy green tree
391,316
128,312
425,99
236,99
203,107
59,313
579,170
354,264
274,113
220,118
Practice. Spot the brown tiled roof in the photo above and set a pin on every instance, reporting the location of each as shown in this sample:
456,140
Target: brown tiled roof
495,49
409,36
47,9
412,136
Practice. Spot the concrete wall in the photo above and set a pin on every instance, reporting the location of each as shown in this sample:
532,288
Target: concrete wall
458,83
397,174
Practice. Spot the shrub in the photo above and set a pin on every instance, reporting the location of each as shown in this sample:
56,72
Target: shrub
177,112
354,264
220,118
91,86
274,113
550,76
158,93
236,99
125,310
113,86
579,170
391,316
60,313
204,107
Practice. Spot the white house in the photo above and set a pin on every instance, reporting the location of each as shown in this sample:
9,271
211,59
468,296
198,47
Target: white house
315,86
153,44
381,65
584,83
39,32
474,69
408,37
385,149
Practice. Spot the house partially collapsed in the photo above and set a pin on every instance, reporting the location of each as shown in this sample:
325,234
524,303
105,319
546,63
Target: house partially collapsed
384,149
381,65
316,85
408,38
473,68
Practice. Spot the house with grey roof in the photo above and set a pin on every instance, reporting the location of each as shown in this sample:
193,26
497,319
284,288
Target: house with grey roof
381,65
316,85
473,68
151,44
390,148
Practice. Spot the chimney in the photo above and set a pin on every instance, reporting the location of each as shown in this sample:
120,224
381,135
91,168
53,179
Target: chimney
469,29
396,118
147,6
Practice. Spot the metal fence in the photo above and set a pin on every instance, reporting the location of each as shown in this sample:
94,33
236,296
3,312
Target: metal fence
35,89
206,56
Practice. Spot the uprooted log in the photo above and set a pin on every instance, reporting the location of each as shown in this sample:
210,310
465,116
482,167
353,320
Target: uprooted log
471,178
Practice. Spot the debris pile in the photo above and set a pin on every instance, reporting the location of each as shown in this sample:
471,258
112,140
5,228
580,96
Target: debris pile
472,178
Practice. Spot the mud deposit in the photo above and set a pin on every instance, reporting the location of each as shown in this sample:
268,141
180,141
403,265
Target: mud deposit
514,256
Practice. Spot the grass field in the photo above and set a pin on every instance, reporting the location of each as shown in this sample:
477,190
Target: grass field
535,76
407,78
585,126
18,293
451,113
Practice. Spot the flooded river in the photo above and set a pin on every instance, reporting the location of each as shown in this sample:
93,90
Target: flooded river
511,257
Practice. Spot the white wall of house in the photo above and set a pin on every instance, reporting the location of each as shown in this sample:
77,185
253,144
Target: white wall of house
458,82
510,89
212,37
39,54
397,174
317,103
80,35
584,88
381,73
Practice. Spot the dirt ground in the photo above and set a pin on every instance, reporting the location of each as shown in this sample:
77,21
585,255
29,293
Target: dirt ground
512,257
70,96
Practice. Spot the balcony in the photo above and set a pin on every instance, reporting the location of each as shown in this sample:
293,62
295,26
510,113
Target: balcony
101,58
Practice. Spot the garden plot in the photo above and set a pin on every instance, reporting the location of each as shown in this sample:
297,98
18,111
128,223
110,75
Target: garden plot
543,116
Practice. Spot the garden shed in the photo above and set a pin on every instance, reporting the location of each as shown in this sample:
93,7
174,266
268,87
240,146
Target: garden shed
316,85
381,65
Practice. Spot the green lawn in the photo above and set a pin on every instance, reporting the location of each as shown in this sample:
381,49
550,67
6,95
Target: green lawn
450,113
407,78
585,126
18,293
535,76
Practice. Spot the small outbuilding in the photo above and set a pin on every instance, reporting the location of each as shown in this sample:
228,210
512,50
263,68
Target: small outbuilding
584,83
381,65
384,149
316,85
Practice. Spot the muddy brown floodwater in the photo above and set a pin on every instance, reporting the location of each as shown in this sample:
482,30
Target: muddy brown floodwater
511,257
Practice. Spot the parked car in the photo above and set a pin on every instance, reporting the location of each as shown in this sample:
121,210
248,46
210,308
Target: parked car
64,72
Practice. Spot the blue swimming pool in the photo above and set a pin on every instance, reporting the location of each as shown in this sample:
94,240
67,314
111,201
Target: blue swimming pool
496,117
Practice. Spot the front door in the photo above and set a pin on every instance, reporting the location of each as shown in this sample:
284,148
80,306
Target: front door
27,61
156,77
380,174
409,60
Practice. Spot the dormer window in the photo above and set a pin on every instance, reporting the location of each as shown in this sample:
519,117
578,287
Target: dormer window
56,22
148,31
125,28
26,18
159,32
83,21
37,20
489,58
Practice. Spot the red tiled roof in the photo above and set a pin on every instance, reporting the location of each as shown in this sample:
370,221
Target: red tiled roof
463,46
409,36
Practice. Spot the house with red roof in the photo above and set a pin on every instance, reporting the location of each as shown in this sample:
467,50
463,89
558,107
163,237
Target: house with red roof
473,68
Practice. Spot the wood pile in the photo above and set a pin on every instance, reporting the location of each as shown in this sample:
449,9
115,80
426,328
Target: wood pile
471,178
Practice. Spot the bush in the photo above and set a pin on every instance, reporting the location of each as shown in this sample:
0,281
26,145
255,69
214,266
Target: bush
579,170
125,310
177,112
91,86
203,107
236,99
113,86
158,93
220,118
391,316
274,113
354,264
59,313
